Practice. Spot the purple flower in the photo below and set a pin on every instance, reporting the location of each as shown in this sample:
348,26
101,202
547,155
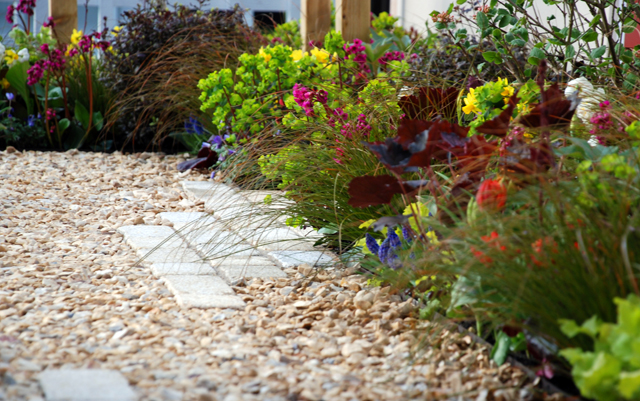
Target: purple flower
407,233
372,244
213,174
10,96
31,121
10,11
218,141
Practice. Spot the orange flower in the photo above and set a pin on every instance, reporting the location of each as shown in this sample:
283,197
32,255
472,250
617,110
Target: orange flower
491,196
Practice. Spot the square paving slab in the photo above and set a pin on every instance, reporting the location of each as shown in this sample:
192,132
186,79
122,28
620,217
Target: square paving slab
85,385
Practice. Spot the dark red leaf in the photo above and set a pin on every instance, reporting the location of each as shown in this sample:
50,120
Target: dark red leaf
411,132
379,190
430,103
206,158
391,154
554,110
524,158
436,146
499,126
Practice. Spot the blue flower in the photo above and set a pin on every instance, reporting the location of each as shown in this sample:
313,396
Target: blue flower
213,174
407,234
10,96
383,251
372,244
205,145
31,121
193,126
232,151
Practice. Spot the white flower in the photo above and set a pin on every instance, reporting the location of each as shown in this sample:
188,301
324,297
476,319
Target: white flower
2,51
590,97
23,55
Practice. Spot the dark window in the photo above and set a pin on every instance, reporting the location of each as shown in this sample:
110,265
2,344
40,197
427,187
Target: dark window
378,6
267,20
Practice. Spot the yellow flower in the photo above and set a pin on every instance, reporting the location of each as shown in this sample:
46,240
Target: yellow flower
5,84
115,31
470,103
296,55
11,57
76,36
321,55
507,91
524,108
264,55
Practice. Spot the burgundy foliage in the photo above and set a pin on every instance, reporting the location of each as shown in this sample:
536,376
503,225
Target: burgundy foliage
372,191
430,103
205,159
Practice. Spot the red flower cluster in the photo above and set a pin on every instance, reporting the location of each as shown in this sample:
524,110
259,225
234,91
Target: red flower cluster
493,241
491,196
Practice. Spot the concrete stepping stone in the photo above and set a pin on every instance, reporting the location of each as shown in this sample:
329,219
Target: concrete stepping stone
241,261
164,269
233,273
191,220
168,255
152,242
202,292
145,231
85,385
205,190
287,259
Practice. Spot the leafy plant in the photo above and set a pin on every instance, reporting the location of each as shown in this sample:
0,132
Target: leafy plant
590,42
612,370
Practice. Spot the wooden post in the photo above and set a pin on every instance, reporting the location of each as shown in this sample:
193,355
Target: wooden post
353,19
65,16
315,21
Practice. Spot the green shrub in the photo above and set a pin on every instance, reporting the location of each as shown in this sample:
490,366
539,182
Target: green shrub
611,371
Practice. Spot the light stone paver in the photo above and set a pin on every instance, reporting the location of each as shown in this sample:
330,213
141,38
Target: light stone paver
241,261
168,255
288,259
145,231
232,273
163,269
202,292
152,242
85,385
176,217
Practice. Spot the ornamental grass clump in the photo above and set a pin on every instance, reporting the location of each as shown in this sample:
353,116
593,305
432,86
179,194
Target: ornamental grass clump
158,57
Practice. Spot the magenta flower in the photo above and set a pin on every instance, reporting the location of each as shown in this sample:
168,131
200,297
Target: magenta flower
34,74
10,11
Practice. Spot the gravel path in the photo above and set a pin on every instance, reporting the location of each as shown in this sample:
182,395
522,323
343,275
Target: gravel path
72,296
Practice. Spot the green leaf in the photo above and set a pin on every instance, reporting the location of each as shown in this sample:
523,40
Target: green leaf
17,77
518,42
482,21
496,33
98,120
594,21
599,52
82,115
450,9
460,1
501,348
63,124
492,57
629,385
569,52
589,36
